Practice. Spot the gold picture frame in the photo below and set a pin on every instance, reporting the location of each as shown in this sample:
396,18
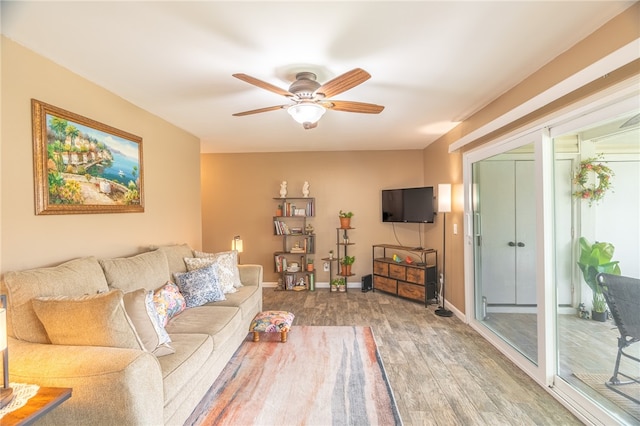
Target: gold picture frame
83,166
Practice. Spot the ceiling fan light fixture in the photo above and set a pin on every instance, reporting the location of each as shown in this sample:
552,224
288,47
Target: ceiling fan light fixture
306,112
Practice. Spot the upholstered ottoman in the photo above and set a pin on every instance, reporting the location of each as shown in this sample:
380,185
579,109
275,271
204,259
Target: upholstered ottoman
271,322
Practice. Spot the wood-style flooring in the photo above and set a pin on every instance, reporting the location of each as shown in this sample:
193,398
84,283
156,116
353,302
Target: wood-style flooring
442,372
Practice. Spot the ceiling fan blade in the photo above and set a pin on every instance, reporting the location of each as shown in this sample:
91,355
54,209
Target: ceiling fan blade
343,82
350,106
263,85
256,111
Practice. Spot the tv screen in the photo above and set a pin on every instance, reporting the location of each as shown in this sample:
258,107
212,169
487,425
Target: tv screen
409,205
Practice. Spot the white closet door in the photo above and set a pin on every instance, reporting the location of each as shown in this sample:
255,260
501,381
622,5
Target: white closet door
507,220
525,233
496,188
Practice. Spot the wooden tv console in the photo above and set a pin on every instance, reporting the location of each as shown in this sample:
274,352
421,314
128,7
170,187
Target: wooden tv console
416,281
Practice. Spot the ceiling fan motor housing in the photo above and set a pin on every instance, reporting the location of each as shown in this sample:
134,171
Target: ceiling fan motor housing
305,85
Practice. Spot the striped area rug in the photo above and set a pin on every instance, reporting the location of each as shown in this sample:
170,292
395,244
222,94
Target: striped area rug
320,376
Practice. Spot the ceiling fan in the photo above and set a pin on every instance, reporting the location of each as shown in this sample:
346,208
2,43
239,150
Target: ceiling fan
311,99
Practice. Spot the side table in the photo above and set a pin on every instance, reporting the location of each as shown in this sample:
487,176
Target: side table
40,404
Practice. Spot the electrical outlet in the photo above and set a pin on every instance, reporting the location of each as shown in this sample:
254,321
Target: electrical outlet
325,266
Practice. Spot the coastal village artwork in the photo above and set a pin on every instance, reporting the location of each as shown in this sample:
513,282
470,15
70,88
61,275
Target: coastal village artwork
83,166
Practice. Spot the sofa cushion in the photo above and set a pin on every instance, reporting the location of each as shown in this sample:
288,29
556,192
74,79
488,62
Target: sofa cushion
227,265
147,270
92,320
175,257
141,309
200,286
225,280
247,298
73,278
219,322
169,302
179,369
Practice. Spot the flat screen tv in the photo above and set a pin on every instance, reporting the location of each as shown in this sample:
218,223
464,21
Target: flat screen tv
408,205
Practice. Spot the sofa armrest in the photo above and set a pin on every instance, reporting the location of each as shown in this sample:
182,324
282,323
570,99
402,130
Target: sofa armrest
109,385
251,275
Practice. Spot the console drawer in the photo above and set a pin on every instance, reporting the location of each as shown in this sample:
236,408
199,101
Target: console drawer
398,272
415,275
385,284
380,268
411,291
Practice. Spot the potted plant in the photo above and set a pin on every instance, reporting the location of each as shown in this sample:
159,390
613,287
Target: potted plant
334,283
338,284
279,210
345,219
330,254
346,262
310,265
594,259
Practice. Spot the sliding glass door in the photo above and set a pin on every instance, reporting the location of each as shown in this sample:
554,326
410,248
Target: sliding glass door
505,247
605,153
528,202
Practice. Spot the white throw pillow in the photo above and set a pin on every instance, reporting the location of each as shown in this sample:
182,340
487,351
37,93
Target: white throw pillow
224,279
227,265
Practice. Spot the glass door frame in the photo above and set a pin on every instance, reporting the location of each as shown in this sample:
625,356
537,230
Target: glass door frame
536,137
541,134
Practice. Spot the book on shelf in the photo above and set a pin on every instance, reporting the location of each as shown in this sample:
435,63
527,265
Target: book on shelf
289,283
290,209
281,228
281,263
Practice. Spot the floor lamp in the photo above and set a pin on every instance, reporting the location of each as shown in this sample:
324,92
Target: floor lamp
444,207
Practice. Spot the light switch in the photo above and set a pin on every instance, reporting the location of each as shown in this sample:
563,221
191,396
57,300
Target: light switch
455,229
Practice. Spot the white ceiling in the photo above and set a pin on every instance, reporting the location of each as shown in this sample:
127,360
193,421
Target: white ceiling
432,63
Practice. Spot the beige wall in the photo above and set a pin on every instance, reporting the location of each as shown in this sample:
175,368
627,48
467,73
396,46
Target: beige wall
171,171
238,191
442,167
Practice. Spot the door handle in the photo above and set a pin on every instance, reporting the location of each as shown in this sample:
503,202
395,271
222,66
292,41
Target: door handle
512,244
520,244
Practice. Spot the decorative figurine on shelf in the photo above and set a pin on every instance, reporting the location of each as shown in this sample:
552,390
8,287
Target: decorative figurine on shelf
330,254
283,189
309,229
396,258
409,260
305,189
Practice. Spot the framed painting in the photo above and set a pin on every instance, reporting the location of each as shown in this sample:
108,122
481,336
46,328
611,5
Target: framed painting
83,166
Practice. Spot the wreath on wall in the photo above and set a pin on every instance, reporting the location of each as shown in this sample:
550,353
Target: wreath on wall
582,179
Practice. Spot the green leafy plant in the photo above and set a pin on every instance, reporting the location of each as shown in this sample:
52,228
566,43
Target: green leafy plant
338,282
345,214
348,260
594,259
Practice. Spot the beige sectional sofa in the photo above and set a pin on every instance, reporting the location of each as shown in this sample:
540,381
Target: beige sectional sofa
120,386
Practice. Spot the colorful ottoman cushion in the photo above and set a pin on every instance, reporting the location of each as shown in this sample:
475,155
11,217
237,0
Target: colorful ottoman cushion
272,322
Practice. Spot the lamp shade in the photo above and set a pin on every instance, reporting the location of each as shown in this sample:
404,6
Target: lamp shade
236,244
444,198
306,112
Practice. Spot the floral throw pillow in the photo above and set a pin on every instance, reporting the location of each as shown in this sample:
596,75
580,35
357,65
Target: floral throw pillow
199,286
227,264
225,279
169,302
148,324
